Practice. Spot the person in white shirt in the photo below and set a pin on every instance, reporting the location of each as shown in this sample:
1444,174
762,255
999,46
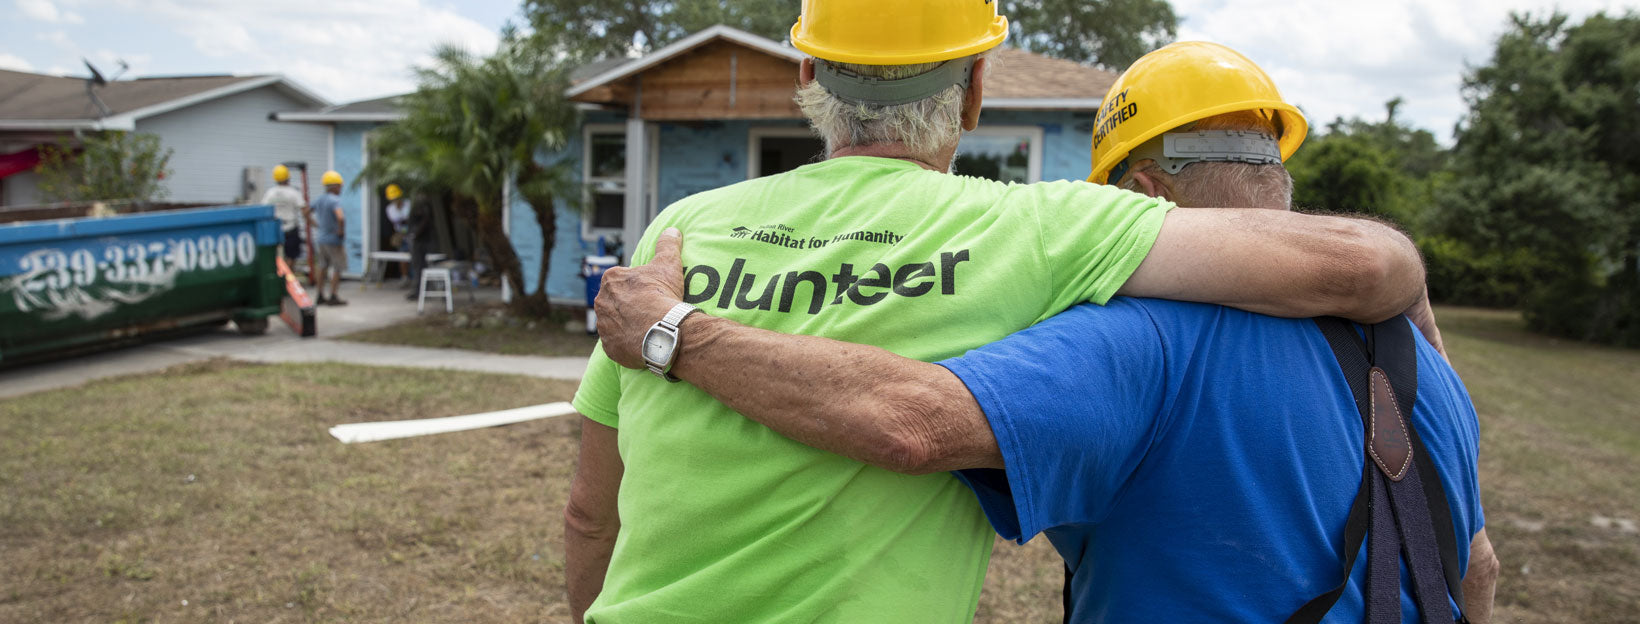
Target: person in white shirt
398,214
288,206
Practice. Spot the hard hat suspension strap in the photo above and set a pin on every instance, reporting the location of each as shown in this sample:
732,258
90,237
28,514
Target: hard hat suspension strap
1174,150
857,88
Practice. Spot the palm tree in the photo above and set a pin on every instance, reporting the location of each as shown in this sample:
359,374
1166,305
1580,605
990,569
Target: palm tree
472,125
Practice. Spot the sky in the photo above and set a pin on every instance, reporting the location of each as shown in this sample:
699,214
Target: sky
1333,58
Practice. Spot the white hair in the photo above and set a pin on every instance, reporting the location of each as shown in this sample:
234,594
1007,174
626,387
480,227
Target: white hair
1223,184
925,127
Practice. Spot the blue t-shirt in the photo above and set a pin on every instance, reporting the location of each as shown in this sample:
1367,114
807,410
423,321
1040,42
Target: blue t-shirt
1195,463
324,211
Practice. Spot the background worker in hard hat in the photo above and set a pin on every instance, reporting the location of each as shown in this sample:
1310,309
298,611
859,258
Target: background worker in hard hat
332,258
398,215
1192,463
288,206
683,511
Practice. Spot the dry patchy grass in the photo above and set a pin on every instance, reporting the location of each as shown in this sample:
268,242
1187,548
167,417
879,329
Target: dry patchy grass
214,493
544,337
1560,459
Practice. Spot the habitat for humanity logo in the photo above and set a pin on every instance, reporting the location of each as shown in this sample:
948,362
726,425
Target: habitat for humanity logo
782,235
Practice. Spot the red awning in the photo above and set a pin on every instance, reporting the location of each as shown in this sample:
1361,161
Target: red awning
18,162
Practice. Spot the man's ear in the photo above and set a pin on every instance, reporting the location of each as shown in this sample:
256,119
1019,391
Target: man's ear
974,97
1150,185
805,72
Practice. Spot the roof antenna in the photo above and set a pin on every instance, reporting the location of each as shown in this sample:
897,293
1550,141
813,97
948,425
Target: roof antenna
96,80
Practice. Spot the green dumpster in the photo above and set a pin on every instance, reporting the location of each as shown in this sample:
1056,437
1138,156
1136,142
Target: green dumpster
76,282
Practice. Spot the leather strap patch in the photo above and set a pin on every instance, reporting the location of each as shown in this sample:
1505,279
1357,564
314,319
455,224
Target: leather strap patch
1390,445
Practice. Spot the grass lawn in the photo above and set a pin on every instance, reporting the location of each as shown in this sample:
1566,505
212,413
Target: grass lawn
435,329
218,485
1560,465
213,492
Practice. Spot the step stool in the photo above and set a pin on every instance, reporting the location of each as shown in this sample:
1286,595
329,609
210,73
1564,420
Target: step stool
445,288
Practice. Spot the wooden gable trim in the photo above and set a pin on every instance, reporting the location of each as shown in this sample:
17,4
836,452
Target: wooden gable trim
722,79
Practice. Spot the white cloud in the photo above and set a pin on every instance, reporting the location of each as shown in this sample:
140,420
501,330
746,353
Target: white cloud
344,49
46,11
1346,59
14,63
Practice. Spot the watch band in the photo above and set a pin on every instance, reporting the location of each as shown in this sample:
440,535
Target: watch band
675,316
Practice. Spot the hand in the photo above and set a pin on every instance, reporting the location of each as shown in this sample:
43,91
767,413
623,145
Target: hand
631,300
1423,316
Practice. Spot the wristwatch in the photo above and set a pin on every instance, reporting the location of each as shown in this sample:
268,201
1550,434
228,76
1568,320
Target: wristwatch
660,343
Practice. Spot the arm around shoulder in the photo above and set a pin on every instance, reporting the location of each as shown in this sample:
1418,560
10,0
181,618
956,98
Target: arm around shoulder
858,401
1282,263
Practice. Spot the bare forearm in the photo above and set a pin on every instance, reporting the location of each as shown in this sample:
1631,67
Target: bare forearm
586,560
1282,264
592,517
859,401
1480,582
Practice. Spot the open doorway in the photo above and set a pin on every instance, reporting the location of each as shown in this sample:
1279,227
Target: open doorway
778,150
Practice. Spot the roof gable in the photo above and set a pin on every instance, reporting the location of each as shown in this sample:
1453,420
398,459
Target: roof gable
56,102
679,47
1020,80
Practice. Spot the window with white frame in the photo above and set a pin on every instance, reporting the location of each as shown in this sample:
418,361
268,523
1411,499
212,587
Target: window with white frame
603,170
1001,153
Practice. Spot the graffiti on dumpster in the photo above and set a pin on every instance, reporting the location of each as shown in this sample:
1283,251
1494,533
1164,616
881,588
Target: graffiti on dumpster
92,281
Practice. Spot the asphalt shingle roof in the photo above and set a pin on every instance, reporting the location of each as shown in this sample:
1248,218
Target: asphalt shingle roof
1026,75
25,96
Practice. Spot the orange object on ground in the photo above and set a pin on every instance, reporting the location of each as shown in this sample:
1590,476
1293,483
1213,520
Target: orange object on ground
296,308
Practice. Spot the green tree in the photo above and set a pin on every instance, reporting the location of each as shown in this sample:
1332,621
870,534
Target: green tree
110,166
583,30
1548,161
1112,33
1109,33
472,125
1381,168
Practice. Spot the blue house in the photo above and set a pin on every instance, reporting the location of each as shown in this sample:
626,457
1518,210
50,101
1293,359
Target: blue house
716,108
349,127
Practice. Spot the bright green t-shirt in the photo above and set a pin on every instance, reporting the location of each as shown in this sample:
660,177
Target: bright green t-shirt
723,520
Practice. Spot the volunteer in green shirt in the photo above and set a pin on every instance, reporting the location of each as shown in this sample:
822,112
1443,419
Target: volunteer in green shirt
683,511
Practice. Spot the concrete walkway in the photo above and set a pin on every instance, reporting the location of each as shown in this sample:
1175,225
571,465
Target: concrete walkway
367,309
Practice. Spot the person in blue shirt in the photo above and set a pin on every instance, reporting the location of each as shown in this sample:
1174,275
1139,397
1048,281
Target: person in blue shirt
1189,462
332,232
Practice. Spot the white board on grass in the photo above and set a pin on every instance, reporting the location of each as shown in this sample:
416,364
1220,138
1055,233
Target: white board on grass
393,429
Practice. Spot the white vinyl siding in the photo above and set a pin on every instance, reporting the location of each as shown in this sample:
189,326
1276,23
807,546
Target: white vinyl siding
215,141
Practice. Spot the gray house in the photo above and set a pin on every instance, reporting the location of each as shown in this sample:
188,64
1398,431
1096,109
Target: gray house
218,127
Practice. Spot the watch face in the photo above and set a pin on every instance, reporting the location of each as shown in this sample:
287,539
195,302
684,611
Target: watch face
657,346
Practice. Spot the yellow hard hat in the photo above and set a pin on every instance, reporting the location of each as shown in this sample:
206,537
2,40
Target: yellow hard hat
281,173
330,177
1181,83
897,32
393,191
